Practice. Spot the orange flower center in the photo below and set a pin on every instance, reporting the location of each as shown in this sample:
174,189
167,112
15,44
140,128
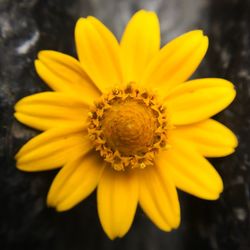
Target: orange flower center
128,127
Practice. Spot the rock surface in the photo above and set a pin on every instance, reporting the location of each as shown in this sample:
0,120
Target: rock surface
27,26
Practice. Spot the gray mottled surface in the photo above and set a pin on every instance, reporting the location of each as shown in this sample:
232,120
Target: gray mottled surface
27,26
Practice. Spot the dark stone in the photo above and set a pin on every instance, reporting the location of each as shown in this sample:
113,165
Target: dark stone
27,26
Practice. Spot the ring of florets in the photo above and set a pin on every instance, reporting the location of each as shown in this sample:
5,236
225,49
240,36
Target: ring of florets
128,127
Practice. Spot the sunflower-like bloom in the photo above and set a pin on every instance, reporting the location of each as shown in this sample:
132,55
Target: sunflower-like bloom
125,120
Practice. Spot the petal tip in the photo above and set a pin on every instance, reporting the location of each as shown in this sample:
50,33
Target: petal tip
41,53
22,167
16,107
80,21
205,38
17,155
177,222
197,32
236,142
78,27
49,203
216,195
37,64
231,94
49,200
109,233
45,54
60,208
205,43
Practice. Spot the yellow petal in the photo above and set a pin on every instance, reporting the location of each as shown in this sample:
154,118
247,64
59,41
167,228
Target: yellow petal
98,52
190,171
51,109
158,197
211,138
75,181
197,100
117,197
176,61
64,73
140,42
53,148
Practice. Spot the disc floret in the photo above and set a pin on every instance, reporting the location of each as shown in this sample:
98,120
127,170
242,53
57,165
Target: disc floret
128,127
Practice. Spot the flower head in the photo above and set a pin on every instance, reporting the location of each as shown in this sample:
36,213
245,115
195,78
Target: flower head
125,120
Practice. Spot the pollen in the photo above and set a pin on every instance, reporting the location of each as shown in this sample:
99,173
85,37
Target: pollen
128,127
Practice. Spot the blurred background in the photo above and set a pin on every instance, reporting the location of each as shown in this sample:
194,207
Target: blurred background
27,26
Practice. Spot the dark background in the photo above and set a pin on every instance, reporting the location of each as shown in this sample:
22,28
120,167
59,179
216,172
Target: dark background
27,26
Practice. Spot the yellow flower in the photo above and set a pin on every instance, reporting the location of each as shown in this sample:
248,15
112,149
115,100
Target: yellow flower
125,119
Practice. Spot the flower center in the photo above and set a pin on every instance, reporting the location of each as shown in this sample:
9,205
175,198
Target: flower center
128,127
